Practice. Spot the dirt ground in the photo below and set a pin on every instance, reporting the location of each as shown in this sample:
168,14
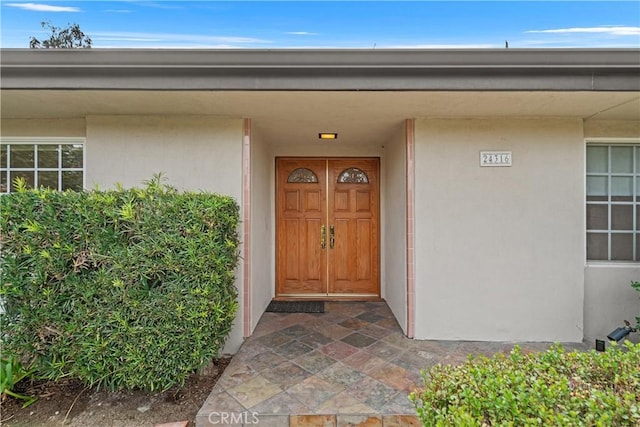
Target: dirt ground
69,403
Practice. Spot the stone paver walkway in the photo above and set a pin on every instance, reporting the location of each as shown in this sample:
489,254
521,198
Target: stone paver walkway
349,366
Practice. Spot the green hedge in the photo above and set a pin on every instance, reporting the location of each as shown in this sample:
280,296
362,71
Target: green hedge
549,388
120,289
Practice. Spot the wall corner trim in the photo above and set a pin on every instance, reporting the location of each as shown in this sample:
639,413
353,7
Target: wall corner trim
410,168
246,233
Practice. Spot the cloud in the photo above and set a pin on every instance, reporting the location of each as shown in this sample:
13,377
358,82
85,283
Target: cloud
153,4
172,39
442,46
301,33
37,7
602,36
613,30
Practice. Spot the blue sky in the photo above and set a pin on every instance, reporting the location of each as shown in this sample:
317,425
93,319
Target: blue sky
330,24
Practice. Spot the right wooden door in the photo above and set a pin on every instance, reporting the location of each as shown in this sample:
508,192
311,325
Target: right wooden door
353,226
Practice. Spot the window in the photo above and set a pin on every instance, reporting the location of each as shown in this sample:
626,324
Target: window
613,211
302,175
55,163
353,176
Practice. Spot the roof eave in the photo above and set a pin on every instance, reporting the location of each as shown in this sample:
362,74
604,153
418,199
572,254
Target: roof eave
460,69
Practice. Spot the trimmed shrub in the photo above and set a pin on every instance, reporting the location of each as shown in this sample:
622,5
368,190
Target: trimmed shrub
548,388
121,289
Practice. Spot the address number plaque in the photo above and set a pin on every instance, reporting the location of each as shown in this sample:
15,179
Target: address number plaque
495,158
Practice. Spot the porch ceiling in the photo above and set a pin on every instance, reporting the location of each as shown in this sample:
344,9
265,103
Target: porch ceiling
296,117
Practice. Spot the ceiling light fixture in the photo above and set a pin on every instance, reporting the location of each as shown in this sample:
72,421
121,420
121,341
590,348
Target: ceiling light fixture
328,135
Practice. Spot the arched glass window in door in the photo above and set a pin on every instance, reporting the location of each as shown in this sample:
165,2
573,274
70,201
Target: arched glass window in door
353,176
303,175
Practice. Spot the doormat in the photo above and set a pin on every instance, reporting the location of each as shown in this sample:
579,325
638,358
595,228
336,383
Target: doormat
296,307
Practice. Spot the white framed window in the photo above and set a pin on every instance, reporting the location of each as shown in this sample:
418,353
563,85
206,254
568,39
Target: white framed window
55,163
613,201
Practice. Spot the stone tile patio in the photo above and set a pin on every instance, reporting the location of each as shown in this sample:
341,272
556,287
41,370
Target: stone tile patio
349,366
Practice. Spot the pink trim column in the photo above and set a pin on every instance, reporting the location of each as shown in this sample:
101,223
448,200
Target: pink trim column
410,145
246,222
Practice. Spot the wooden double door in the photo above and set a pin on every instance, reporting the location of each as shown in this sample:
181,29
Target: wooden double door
327,230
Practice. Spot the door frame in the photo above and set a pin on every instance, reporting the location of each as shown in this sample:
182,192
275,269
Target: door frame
330,296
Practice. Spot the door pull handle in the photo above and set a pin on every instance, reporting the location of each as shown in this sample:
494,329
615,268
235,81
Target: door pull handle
323,237
332,237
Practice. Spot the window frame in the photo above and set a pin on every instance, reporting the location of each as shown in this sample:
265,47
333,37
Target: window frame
53,140
610,142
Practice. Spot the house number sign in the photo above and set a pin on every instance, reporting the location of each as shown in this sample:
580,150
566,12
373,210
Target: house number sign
495,158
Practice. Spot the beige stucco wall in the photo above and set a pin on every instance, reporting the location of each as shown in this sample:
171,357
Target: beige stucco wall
395,229
43,127
262,227
328,149
193,152
609,298
611,128
499,251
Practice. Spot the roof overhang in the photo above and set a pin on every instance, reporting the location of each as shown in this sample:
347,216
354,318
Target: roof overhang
323,70
291,95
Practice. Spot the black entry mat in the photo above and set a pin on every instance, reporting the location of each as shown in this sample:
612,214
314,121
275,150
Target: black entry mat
296,307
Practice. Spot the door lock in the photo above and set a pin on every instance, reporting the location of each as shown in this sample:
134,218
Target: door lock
323,237
332,237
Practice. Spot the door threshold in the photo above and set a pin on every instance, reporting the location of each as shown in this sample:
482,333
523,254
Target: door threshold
329,297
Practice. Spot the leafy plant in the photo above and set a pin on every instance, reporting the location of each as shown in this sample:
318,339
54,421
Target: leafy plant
120,289
548,388
11,373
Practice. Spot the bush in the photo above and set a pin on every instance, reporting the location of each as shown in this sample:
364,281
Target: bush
120,289
549,388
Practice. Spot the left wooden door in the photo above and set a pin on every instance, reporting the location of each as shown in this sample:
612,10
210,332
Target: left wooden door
301,214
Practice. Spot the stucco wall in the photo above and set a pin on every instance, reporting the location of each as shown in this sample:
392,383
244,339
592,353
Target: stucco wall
611,128
192,152
262,229
43,127
499,251
327,149
395,229
609,298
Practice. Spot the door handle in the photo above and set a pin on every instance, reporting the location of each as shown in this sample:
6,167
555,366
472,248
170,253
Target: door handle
323,237
332,237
